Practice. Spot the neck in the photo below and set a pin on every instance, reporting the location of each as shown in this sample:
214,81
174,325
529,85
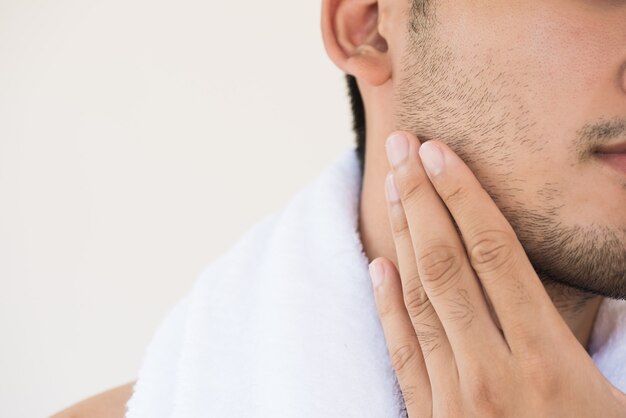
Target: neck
577,308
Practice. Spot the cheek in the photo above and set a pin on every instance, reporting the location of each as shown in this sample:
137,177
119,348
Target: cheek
516,89
563,58
553,67
572,69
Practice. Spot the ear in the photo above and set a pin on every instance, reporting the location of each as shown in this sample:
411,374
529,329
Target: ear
352,37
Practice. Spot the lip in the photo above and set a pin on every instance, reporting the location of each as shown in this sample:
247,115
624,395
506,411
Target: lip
618,148
616,160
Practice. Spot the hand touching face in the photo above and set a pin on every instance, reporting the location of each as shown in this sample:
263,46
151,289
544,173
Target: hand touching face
450,357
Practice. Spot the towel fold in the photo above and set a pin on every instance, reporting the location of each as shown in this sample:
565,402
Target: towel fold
285,324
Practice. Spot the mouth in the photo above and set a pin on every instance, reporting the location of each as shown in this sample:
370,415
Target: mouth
614,156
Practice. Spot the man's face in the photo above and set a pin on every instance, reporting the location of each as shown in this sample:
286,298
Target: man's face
525,92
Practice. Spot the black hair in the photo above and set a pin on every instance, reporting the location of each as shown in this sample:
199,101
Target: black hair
358,119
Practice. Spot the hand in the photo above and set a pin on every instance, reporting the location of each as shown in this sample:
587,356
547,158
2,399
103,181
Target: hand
450,356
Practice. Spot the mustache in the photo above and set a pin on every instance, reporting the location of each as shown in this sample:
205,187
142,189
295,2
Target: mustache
602,132
593,136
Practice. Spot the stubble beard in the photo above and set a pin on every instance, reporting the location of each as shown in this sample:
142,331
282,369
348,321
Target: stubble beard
438,97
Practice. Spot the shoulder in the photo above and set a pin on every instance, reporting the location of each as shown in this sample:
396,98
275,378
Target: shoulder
108,404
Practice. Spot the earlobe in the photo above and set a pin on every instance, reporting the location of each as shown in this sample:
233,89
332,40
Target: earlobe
350,29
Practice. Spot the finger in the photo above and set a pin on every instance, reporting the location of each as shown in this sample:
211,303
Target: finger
404,348
434,343
444,269
495,254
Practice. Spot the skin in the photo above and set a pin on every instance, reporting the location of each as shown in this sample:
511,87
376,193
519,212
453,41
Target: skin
533,152
450,356
528,138
526,112
108,404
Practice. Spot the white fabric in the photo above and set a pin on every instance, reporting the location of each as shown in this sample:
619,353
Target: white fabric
285,325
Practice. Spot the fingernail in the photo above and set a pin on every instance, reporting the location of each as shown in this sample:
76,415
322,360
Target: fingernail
377,272
390,187
397,147
432,157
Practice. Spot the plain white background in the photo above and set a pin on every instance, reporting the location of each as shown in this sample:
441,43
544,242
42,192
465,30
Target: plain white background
138,141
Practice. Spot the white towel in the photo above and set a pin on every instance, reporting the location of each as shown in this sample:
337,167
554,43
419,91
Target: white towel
285,325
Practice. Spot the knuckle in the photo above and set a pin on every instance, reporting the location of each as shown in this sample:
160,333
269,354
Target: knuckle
530,346
415,298
484,397
548,387
404,354
410,186
399,222
441,266
429,337
542,377
492,251
385,308
455,195
461,310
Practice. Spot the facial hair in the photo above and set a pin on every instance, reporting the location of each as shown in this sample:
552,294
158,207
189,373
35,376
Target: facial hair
473,107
